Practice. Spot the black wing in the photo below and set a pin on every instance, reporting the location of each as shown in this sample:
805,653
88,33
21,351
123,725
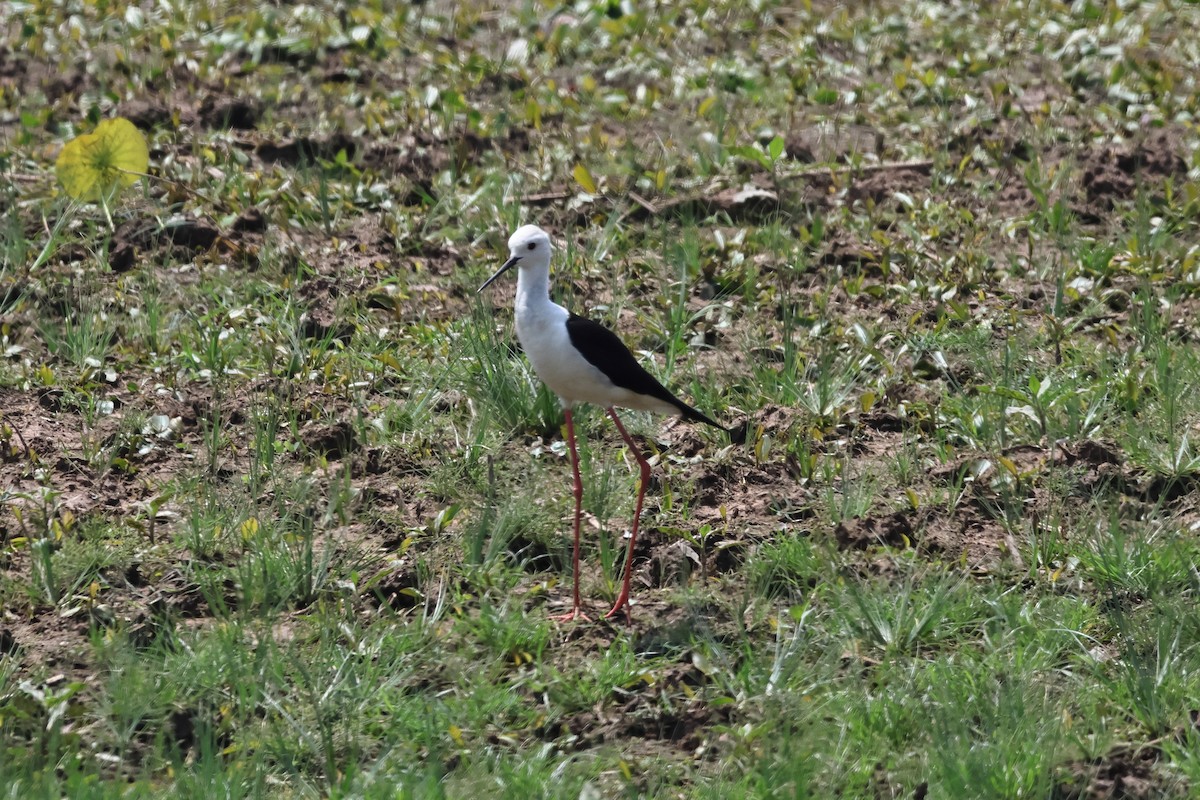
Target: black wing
605,351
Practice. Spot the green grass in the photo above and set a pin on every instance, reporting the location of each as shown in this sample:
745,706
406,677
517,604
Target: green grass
287,516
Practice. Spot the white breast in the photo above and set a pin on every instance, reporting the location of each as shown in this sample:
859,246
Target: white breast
542,331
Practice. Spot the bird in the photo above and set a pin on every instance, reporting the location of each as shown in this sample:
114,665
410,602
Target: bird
582,361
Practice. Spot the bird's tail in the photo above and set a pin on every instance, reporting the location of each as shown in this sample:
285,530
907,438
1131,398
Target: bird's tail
737,434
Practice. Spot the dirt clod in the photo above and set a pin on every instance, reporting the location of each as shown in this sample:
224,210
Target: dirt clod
333,441
859,533
237,113
252,220
1121,773
309,150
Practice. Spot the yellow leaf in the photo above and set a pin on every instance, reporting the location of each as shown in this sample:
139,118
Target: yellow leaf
533,114
706,104
249,529
389,360
584,179
110,158
456,735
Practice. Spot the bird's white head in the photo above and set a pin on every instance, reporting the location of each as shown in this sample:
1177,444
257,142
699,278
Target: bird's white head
528,248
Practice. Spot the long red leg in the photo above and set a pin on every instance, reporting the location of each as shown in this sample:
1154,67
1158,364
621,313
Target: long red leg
576,609
623,598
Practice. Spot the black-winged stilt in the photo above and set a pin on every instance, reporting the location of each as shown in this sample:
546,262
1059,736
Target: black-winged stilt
583,362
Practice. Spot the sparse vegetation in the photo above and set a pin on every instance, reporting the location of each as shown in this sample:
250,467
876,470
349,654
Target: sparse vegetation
282,511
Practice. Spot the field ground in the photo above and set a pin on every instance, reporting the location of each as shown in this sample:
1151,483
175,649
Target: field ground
285,513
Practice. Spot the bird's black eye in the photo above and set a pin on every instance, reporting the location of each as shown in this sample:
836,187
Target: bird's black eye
532,246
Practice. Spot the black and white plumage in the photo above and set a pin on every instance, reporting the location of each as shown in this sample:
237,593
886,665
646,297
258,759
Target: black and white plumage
604,349
583,362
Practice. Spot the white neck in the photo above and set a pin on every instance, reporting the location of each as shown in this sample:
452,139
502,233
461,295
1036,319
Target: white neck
539,321
533,289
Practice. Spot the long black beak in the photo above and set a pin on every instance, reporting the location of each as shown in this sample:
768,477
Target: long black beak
512,262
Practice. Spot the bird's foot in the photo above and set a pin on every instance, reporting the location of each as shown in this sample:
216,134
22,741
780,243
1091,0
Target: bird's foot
622,604
570,616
